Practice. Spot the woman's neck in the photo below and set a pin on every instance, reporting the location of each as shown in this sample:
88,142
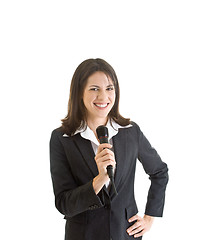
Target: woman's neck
93,124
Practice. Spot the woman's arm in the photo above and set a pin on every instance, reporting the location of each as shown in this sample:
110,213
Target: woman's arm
70,199
158,174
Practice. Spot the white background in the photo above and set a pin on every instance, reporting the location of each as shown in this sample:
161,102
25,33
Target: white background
152,45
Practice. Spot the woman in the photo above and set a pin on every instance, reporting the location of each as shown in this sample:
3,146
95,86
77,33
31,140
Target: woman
81,184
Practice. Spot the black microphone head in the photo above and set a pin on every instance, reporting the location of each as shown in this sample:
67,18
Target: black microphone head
102,133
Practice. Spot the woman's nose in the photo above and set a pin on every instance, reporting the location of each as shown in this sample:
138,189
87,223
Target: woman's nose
102,95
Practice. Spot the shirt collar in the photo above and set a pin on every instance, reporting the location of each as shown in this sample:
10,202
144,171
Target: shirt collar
87,133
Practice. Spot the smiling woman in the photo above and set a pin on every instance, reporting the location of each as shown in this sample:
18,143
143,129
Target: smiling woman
84,193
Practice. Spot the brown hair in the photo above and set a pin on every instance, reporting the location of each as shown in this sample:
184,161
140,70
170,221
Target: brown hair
76,109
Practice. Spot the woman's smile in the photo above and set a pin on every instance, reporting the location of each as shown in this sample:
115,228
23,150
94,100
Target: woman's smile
101,105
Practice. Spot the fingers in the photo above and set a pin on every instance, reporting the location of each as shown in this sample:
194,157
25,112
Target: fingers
105,154
134,218
141,226
137,227
103,146
104,158
139,234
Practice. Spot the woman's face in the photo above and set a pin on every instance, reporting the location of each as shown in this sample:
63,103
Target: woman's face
99,96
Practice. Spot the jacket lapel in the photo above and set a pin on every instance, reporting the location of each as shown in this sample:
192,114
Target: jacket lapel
120,150
85,148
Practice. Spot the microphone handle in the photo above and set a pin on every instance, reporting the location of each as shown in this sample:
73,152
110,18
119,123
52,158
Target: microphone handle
110,171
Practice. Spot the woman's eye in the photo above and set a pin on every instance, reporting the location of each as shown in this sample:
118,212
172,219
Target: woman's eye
94,89
110,88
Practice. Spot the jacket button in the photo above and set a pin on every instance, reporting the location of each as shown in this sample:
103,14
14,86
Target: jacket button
93,207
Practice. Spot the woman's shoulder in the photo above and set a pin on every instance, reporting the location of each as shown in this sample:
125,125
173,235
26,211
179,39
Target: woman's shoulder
132,128
134,124
59,138
131,125
57,132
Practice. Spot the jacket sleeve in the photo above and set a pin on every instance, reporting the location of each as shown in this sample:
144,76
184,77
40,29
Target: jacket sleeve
158,174
70,199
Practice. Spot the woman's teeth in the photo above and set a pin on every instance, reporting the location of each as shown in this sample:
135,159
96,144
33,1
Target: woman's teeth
101,105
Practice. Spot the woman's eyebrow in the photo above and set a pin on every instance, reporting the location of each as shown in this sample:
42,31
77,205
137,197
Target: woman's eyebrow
110,85
94,86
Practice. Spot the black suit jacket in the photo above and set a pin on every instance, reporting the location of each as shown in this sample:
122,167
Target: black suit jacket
103,216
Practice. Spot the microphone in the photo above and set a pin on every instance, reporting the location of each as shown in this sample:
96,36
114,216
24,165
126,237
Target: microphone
102,133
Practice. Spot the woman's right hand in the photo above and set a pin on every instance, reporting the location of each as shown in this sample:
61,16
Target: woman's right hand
103,158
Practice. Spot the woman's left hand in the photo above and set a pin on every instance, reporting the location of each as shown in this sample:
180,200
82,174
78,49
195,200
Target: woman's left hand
141,226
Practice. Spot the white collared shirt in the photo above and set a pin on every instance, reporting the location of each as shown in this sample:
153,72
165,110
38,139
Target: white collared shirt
88,134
